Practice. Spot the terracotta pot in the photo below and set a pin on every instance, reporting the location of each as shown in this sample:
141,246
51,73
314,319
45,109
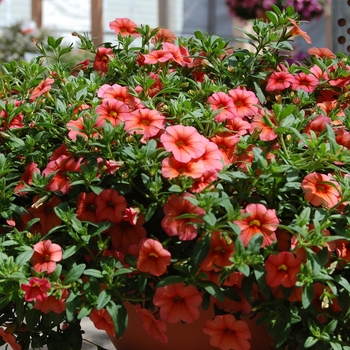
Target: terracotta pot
182,336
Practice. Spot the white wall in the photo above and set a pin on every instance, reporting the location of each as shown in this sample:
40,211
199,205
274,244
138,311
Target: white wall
14,11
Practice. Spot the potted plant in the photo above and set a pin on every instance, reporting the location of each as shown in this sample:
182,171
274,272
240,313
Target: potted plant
171,176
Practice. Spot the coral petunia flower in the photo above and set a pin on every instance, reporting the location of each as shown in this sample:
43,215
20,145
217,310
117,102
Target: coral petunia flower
321,189
279,81
318,125
86,207
110,206
171,168
41,89
157,56
260,220
36,289
45,256
282,269
303,81
184,142
185,228
227,333
153,258
164,35
146,122
265,125
244,102
102,58
124,27
178,302
221,102
297,31
154,327
221,250
175,52
26,178
321,52
112,110
9,339
52,304
103,320
226,142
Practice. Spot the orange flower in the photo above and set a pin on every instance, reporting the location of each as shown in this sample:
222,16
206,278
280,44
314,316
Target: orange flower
112,110
219,254
297,31
178,302
157,56
221,102
321,189
103,320
110,206
282,269
164,35
9,339
155,328
185,228
226,333
171,168
244,102
43,87
260,220
124,27
321,52
153,258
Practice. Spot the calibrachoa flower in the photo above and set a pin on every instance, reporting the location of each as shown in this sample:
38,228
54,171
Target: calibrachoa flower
178,302
45,256
36,289
259,220
321,189
181,180
227,333
282,269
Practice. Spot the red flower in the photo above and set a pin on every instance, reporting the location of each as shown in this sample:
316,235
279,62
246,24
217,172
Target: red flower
124,27
186,228
321,189
155,328
282,269
102,58
279,81
153,258
26,178
145,122
103,320
9,339
307,82
86,207
110,206
178,302
43,87
36,289
260,220
52,304
45,256
226,333
184,142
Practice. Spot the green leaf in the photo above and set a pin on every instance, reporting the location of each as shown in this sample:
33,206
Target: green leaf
244,269
119,316
310,341
213,289
93,273
239,246
307,295
281,332
201,250
84,312
24,257
170,280
72,306
103,299
74,273
71,251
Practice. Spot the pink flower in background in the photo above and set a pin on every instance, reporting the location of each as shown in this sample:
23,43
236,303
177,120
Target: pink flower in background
124,27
